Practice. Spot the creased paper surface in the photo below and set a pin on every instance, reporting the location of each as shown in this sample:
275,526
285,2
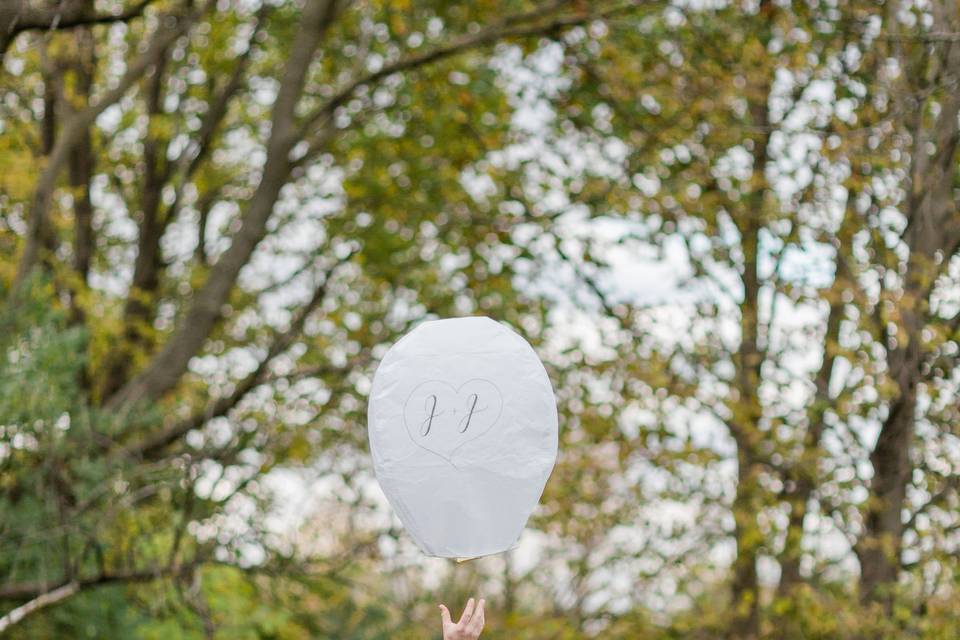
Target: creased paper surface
463,433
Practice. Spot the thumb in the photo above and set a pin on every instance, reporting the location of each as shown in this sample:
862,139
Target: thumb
445,615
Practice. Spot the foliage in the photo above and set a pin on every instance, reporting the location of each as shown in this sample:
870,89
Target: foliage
730,231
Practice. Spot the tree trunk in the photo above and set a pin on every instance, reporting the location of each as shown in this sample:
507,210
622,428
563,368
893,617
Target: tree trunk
72,130
748,362
879,548
803,477
745,587
933,229
745,427
81,165
166,368
139,310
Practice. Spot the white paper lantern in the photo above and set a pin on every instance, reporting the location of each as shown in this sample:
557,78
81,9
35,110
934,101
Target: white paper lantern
463,432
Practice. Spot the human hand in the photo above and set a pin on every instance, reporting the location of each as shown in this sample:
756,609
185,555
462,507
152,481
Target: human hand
468,627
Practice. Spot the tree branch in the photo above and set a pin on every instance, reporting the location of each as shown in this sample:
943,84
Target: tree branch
41,601
166,368
509,27
18,17
75,128
44,594
153,445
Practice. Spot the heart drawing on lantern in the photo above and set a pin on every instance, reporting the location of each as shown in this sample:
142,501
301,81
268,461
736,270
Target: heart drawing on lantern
442,418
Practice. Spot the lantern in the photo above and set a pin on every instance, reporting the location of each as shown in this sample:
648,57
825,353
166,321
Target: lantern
463,433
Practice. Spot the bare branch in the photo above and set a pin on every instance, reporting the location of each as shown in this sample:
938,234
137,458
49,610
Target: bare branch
43,594
41,601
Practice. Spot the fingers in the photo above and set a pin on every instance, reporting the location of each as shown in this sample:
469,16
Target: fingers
445,615
476,622
467,612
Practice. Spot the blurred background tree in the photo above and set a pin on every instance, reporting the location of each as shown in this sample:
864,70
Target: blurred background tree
730,230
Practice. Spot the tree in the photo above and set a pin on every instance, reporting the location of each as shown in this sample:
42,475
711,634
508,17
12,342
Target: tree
912,258
220,199
744,147
20,16
730,231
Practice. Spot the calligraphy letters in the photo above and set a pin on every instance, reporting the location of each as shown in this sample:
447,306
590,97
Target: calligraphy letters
441,417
